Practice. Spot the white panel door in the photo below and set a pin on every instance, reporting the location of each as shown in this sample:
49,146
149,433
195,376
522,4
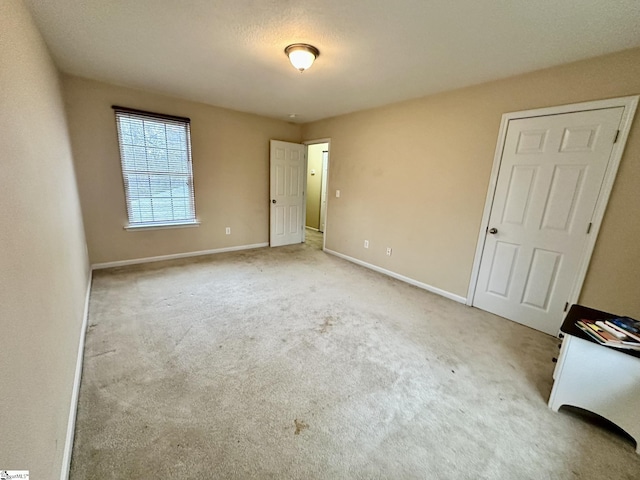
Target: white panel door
550,176
287,193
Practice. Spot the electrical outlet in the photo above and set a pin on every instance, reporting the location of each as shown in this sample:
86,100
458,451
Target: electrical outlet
227,230
366,244
388,251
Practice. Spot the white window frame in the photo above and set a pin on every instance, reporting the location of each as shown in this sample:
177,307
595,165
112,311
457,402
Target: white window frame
183,216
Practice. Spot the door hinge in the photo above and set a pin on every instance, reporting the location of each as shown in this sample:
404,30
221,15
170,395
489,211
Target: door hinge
589,227
566,306
617,135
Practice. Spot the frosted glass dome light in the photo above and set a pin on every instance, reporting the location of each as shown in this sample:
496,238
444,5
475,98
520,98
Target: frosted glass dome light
301,55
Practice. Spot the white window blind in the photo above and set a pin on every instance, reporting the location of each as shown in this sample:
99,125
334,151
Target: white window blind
155,151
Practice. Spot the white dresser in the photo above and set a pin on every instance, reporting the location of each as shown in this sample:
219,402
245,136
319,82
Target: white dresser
603,380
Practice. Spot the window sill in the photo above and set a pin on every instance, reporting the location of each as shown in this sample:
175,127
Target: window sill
161,226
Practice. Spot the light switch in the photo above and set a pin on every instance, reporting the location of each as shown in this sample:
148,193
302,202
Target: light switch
337,193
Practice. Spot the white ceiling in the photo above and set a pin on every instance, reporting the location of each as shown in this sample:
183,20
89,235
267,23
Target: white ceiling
229,53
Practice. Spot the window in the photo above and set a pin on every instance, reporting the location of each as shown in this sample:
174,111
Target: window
155,151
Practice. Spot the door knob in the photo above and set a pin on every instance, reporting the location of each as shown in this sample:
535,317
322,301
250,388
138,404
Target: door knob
493,231
273,201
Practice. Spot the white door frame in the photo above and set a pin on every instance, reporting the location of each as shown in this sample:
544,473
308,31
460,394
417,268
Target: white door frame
314,142
324,193
630,104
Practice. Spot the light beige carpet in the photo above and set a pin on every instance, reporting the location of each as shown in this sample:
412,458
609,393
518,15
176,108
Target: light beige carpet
288,363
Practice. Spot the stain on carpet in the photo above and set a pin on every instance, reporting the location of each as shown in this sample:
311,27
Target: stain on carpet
300,425
324,328
102,353
184,335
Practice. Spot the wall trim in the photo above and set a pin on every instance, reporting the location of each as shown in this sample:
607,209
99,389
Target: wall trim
75,393
173,256
397,276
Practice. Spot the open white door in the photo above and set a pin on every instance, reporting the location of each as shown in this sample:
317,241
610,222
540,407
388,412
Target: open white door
287,193
551,173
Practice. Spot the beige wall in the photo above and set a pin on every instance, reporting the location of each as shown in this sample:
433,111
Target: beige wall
230,165
314,183
43,262
413,176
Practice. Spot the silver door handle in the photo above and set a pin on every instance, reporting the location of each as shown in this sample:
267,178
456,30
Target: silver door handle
493,231
273,201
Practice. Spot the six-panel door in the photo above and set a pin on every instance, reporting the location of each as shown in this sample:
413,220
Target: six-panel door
287,194
550,176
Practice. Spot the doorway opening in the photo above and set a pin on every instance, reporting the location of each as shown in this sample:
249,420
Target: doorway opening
317,169
313,239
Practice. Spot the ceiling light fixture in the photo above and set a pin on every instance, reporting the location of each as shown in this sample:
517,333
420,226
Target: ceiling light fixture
301,55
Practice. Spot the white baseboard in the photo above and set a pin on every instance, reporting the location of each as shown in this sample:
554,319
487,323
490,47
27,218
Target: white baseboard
311,228
135,261
75,393
411,281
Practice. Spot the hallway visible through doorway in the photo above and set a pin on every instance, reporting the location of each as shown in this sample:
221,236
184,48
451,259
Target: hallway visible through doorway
316,198
313,238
